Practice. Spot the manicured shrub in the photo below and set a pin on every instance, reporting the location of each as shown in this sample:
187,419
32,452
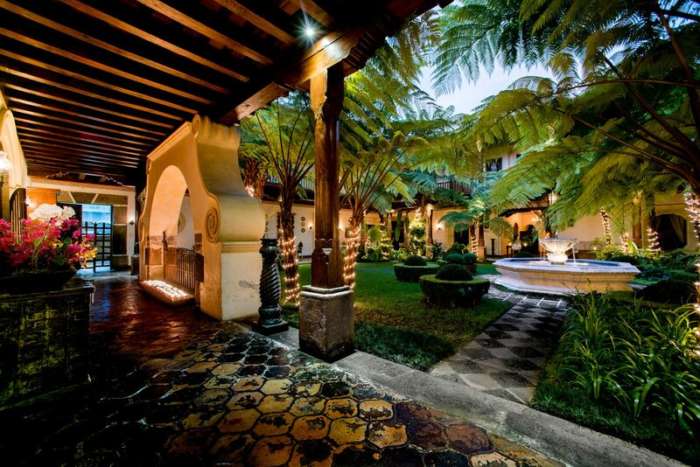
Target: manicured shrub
469,258
454,258
524,254
456,247
453,272
409,273
453,293
670,291
415,260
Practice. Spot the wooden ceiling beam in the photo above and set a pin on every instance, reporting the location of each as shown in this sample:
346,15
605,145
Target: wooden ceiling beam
62,164
37,136
38,166
69,112
28,137
329,50
102,67
259,21
141,60
79,135
66,151
75,156
96,82
191,23
22,110
53,97
83,92
310,8
151,38
78,156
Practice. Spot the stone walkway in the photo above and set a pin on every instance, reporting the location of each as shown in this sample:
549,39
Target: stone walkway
172,387
507,358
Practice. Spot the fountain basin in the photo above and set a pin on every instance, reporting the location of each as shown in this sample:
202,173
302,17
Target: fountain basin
572,277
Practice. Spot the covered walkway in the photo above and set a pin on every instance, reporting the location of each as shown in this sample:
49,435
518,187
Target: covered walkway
171,386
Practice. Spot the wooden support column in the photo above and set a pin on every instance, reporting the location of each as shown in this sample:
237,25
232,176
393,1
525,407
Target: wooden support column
327,90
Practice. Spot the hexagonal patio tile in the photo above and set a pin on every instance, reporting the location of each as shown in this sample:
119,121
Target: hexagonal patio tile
226,369
250,383
311,427
244,400
491,459
276,386
307,389
271,451
275,403
307,406
231,449
201,367
274,424
238,421
376,409
339,408
348,430
384,435
201,420
313,453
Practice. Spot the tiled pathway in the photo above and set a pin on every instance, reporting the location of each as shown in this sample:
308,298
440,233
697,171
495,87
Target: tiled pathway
507,358
171,387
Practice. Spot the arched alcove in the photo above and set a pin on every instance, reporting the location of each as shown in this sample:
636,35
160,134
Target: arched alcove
201,160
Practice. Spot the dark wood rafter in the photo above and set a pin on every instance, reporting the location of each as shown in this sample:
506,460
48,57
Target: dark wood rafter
95,85
91,95
78,115
63,100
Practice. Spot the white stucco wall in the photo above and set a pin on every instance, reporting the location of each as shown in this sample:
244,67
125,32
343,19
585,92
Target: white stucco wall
185,237
584,231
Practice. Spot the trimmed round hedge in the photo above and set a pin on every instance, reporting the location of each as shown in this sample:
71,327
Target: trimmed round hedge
415,260
408,273
451,294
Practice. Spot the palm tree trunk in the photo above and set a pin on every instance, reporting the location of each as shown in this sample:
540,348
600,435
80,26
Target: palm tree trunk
288,253
353,243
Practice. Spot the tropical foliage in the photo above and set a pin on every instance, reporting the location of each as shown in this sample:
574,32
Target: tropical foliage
633,360
623,95
281,138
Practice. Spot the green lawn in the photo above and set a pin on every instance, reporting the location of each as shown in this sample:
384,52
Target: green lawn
393,323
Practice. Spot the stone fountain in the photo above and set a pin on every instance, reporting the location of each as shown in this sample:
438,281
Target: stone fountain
557,275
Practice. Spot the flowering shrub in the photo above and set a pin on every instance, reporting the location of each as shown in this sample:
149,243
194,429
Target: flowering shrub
55,244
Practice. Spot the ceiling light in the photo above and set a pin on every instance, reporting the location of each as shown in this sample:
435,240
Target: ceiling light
310,31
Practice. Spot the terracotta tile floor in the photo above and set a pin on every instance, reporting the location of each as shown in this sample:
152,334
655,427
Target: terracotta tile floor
172,387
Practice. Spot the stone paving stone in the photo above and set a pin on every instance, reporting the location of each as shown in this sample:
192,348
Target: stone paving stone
216,394
506,359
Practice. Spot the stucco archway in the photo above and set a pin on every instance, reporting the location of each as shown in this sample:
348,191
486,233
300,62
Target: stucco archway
202,158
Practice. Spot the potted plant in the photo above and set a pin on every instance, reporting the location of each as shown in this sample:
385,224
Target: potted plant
47,253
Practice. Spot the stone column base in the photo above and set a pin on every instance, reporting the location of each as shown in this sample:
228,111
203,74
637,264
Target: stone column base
326,325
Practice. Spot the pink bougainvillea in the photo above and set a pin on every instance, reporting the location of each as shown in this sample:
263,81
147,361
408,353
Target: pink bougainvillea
44,245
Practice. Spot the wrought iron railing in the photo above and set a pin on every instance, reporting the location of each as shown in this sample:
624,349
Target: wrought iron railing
183,267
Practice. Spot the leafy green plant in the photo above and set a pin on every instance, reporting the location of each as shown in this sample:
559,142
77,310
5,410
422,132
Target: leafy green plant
415,260
454,258
453,272
638,359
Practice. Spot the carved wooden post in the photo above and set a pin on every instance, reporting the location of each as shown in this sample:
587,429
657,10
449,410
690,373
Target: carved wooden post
326,102
326,312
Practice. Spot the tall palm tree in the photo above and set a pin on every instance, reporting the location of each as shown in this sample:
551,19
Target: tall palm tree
281,136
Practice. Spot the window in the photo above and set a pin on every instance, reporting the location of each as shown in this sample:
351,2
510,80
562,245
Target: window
494,165
99,213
